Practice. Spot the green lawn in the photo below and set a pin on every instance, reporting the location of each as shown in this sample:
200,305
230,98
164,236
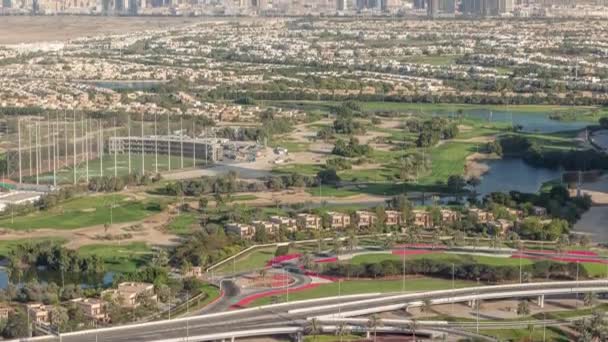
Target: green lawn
290,145
446,257
446,160
551,334
183,224
84,212
249,261
331,191
303,169
243,197
349,287
66,175
120,257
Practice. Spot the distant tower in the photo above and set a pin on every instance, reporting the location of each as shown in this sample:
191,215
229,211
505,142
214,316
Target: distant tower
432,8
341,5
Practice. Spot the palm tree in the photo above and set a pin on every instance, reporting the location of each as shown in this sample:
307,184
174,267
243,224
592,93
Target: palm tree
389,241
341,330
523,308
352,241
373,323
312,328
413,326
337,245
589,299
427,306
307,261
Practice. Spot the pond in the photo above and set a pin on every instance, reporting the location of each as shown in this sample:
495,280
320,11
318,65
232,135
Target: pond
531,122
513,174
85,280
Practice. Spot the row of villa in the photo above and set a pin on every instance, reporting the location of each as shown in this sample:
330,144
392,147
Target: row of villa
364,219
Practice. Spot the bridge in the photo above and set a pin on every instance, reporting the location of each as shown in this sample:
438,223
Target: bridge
291,318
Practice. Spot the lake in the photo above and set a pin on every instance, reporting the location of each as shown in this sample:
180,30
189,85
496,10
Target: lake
513,174
531,122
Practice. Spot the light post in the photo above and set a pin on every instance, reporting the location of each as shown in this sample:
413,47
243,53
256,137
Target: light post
339,296
577,263
477,307
453,286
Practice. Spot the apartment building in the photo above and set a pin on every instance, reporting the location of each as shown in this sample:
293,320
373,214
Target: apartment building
422,218
270,227
128,292
92,308
365,218
449,216
39,313
482,216
338,220
308,221
287,222
245,231
393,218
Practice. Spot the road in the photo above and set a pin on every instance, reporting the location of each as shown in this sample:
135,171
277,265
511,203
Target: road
295,314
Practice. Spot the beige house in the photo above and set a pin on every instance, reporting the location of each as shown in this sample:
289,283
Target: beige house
422,218
270,227
245,231
39,313
515,213
449,216
338,220
481,215
4,311
287,222
92,308
308,221
393,217
128,292
194,272
365,218
502,225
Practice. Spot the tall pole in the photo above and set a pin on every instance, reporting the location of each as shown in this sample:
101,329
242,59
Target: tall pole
169,141
65,136
29,143
83,138
37,153
194,141
86,143
55,132
115,148
129,136
155,146
74,145
143,156
48,140
181,141
19,146
100,146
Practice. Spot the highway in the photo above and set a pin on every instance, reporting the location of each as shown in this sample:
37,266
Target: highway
295,314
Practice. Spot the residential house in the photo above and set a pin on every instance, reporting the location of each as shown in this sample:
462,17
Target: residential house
194,272
245,231
92,308
449,216
308,221
287,222
516,213
393,217
502,225
338,220
39,313
270,227
482,216
365,218
4,311
422,218
128,292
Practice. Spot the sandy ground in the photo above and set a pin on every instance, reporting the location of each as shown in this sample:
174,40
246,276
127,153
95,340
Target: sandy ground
27,29
594,221
151,233
474,165
300,196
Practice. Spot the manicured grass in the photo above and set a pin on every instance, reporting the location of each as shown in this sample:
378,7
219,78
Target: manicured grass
291,146
331,191
66,175
84,212
446,160
248,261
185,223
446,257
303,169
552,334
243,197
595,270
6,246
120,257
349,287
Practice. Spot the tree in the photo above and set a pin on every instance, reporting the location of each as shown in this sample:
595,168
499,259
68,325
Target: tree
312,328
474,182
16,325
307,261
373,323
590,299
427,306
59,316
352,241
523,308
328,176
160,258
456,183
